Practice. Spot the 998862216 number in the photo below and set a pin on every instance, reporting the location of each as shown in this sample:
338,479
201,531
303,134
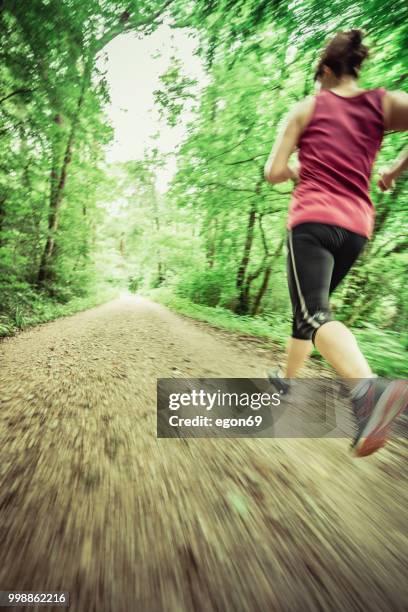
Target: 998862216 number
34,598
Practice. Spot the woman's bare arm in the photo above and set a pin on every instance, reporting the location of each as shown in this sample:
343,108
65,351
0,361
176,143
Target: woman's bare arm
276,169
395,106
389,176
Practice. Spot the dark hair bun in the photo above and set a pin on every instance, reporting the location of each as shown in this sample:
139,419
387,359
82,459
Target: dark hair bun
343,54
356,38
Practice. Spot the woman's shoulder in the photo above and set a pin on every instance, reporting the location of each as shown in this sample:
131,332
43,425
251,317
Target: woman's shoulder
395,108
303,109
305,104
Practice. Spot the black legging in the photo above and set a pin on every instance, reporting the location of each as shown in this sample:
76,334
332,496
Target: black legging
319,257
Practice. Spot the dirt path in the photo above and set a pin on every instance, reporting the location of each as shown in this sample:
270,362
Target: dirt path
92,503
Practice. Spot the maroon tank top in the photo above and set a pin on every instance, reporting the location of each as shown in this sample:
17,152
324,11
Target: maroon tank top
336,153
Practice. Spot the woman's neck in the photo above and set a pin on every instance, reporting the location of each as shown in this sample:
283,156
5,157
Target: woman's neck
345,85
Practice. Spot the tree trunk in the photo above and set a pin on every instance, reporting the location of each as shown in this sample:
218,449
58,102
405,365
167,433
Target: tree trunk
267,270
243,305
262,289
359,277
122,245
160,270
58,180
210,240
2,218
243,286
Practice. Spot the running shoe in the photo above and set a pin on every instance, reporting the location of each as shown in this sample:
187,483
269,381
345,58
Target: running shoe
281,384
375,410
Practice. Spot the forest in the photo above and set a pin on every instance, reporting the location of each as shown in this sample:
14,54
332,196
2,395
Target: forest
76,230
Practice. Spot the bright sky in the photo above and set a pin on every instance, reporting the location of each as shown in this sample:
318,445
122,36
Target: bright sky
133,75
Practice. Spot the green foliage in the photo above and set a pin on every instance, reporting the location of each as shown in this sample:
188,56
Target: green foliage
386,351
53,178
202,287
23,307
213,242
171,100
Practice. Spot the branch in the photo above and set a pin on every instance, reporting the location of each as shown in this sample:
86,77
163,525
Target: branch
15,93
235,146
244,161
216,184
11,127
265,246
126,24
188,22
397,248
401,79
251,277
268,141
240,201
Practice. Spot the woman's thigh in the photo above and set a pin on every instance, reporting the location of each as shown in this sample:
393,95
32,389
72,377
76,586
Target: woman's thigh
345,257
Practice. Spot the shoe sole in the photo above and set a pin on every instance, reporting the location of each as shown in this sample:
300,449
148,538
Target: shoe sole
391,404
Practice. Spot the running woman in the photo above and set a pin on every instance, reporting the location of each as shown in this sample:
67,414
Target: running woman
338,133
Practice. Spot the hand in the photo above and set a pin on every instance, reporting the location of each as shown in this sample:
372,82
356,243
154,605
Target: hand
386,180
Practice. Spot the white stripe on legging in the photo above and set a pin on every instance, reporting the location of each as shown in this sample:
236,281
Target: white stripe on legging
303,307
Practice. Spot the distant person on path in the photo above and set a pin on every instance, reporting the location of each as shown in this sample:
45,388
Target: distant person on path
338,133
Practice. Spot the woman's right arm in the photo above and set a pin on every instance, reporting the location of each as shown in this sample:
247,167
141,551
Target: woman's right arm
389,176
395,106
